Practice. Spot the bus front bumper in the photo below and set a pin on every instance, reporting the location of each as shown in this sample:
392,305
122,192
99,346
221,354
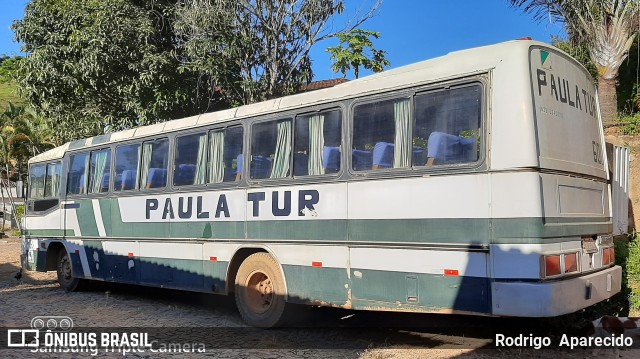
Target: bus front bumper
553,298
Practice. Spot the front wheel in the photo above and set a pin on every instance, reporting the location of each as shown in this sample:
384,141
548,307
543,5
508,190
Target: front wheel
260,291
65,273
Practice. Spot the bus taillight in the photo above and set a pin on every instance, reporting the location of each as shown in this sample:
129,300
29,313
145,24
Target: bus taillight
570,262
608,256
552,265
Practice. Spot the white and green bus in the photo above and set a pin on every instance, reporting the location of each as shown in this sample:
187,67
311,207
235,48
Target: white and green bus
475,182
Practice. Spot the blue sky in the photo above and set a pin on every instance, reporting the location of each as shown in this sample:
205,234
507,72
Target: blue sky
411,30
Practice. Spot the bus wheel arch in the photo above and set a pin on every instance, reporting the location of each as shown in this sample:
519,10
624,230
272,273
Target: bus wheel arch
240,256
53,250
64,272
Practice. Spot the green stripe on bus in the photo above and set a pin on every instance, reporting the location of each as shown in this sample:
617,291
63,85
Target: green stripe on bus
316,284
228,230
105,208
335,230
50,232
387,290
441,230
86,218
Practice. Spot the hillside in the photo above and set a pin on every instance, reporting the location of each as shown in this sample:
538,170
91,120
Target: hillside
8,94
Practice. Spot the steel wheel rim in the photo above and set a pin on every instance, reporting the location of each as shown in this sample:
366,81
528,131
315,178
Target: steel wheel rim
65,268
259,292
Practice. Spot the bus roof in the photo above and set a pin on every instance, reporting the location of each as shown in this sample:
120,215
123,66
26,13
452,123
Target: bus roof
454,64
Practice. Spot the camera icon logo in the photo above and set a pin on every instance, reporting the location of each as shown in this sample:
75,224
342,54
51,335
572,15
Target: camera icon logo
53,323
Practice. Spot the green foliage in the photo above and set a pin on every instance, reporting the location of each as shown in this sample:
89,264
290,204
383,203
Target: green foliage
578,52
19,211
97,66
8,67
630,124
22,135
628,86
632,277
252,50
357,52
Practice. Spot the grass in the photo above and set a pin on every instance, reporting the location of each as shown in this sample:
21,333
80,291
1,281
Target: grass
8,94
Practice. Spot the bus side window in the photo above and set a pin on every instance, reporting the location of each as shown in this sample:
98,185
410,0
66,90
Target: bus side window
190,160
37,179
44,189
99,171
271,149
225,155
77,178
126,167
153,164
317,144
447,127
381,135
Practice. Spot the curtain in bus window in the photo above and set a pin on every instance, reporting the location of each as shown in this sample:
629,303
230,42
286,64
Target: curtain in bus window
147,149
201,164
216,168
402,152
55,179
283,150
316,144
101,158
52,187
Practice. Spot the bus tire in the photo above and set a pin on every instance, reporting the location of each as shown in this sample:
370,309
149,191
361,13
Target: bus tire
65,273
260,291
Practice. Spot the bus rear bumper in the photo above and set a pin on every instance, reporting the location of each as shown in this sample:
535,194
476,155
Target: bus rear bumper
553,298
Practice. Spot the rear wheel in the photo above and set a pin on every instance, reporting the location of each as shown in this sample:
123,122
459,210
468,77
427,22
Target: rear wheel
65,273
259,291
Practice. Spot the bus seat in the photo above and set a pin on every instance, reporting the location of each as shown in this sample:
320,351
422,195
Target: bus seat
361,160
469,149
443,148
260,167
81,189
331,159
185,174
128,180
383,155
300,164
419,156
239,167
157,177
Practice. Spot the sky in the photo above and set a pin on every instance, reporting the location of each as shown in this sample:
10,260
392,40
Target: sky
410,30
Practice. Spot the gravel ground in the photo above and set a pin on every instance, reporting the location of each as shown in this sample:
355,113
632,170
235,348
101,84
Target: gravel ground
215,320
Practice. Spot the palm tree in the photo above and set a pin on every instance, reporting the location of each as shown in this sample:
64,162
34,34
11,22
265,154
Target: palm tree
22,135
606,27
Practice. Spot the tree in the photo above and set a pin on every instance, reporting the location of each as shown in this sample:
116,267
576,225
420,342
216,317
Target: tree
22,135
97,66
354,55
606,27
252,50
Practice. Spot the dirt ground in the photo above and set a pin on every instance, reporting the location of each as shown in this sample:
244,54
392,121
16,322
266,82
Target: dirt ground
328,333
